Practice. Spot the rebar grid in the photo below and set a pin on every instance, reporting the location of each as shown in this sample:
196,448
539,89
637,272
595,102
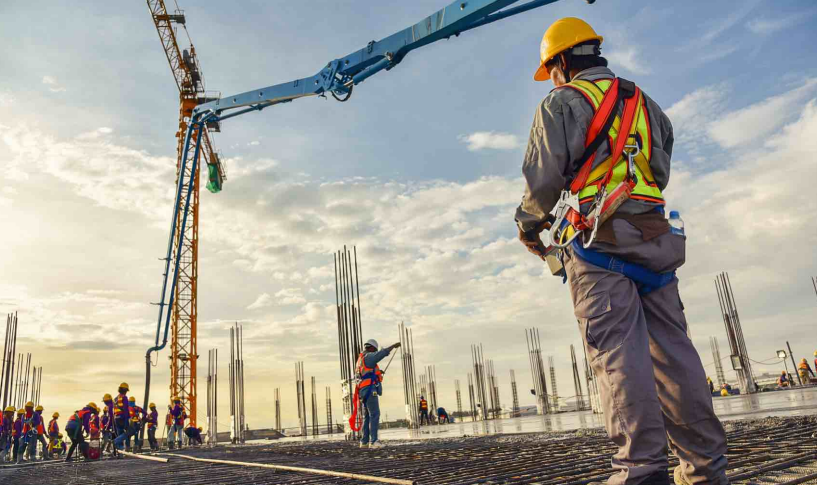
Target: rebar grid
765,451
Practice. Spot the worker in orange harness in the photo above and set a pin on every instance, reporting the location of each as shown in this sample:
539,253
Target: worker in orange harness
424,411
370,388
599,154
53,433
805,371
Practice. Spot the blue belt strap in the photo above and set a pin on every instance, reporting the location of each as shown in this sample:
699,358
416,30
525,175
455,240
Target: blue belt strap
645,280
370,387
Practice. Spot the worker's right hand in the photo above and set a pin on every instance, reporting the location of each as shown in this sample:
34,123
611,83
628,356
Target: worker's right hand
396,346
532,239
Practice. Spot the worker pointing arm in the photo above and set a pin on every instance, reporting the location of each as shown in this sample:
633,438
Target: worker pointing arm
369,388
599,154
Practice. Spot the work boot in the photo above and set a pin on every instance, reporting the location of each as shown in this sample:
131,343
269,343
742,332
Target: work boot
375,444
170,445
364,445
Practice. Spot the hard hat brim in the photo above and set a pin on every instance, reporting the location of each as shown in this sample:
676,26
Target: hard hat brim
541,74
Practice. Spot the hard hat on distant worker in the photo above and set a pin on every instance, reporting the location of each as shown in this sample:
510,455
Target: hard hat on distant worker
200,429
55,415
38,408
815,353
561,36
10,409
124,386
106,398
93,406
132,399
176,399
21,411
372,343
804,361
29,404
152,405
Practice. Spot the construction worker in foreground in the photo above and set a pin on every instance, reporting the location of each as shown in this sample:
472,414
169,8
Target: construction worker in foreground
370,388
442,416
121,416
177,428
424,411
27,438
152,421
805,371
78,424
652,383
6,426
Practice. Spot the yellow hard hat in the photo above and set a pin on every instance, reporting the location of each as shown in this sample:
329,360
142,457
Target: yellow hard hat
199,428
21,411
560,36
60,435
107,397
176,398
10,409
815,353
39,408
93,406
124,386
29,404
55,415
132,399
152,405
804,361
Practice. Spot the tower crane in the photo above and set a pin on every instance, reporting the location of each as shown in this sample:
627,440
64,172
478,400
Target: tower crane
184,65
338,78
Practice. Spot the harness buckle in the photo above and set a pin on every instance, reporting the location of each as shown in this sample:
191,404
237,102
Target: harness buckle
594,216
567,201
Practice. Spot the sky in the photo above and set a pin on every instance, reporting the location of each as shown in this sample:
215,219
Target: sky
421,171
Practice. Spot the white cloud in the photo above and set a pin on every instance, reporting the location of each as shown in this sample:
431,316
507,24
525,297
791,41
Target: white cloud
6,98
692,115
481,140
290,296
758,121
766,25
263,301
718,26
254,143
628,59
52,84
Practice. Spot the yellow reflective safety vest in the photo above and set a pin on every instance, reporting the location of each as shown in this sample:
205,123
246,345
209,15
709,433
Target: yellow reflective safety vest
645,188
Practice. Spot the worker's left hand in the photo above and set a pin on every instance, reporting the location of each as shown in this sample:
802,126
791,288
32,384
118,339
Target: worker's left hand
532,239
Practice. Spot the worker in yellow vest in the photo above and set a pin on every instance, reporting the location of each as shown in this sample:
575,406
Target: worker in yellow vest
805,372
599,158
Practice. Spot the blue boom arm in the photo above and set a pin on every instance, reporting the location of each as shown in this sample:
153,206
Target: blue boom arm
341,75
338,78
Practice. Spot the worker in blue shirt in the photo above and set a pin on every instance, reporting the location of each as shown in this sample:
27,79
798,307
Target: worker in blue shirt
370,388
442,416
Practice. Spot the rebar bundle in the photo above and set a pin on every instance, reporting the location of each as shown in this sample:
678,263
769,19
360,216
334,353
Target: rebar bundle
350,332
237,427
9,352
515,408
301,396
472,397
314,409
493,390
577,381
431,383
410,396
329,426
22,380
459,398
716,354
480,378
537,370
212,396
734,333
278,409
554,401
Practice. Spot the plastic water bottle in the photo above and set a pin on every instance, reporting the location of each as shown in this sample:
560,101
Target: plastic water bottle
676,223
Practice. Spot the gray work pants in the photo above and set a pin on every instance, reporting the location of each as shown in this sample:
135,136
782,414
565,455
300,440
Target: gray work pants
651,380
371,419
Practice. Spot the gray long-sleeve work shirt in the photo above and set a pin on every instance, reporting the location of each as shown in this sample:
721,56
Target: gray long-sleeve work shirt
372,358
556,143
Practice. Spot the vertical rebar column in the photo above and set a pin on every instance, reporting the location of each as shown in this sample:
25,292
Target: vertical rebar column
301,395
471,397
329,426
278,409
410,397
459,398
554,407
515,409
314,409
716,355
479,380
537,369
734,332
577,381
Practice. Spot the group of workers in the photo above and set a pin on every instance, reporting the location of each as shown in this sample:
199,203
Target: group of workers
121,421
804,371
427,417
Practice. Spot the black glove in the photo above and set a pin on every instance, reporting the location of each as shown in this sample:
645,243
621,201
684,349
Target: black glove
396,346
532,240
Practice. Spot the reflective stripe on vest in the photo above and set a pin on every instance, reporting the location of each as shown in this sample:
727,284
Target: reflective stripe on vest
424,405
119,405
645,189
366,373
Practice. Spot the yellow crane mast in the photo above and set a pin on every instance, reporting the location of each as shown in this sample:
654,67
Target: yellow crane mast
187,74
